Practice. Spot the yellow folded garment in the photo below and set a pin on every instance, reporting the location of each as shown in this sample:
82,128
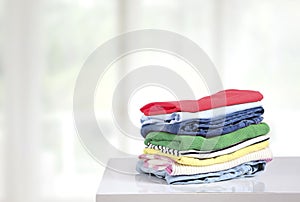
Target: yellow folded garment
206,162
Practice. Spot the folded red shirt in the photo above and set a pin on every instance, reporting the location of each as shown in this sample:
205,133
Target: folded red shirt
220,99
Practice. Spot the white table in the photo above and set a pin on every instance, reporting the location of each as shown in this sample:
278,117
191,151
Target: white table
280,182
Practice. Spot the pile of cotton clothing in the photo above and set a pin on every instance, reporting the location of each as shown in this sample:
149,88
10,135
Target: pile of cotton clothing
216,138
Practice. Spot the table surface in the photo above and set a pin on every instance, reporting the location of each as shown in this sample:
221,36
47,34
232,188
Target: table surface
281,177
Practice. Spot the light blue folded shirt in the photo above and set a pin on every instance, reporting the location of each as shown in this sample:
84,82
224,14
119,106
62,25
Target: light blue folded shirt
248,169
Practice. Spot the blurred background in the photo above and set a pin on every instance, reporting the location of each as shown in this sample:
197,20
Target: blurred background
254,44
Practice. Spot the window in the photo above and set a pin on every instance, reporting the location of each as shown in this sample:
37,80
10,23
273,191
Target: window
72,29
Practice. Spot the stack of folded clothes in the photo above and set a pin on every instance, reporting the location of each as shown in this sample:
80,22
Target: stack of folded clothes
218,137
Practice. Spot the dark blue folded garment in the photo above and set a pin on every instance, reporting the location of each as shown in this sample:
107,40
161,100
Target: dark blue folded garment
208,127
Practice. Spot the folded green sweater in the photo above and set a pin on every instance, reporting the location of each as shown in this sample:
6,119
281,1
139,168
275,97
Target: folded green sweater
180,142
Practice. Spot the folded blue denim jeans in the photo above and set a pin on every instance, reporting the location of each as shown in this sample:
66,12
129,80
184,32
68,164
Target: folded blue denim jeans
248,169
208,127
208,115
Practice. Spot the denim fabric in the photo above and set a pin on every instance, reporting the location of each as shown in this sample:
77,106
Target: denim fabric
208,127
213,114
248,169
193,128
